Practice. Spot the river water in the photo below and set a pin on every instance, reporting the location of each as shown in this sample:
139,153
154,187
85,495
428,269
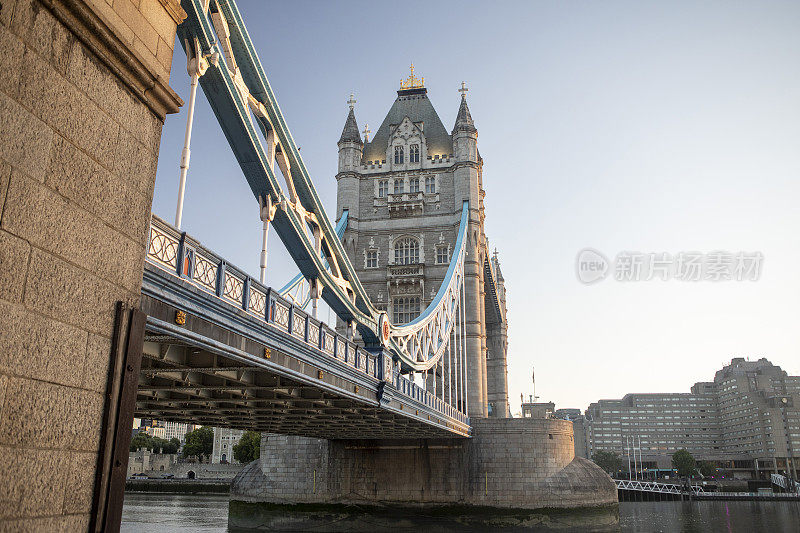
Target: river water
181,513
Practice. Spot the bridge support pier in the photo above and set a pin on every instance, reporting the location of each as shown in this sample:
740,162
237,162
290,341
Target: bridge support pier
83,96
508,464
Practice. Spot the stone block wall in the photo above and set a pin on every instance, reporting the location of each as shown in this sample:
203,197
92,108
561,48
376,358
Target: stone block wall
81,114
518,463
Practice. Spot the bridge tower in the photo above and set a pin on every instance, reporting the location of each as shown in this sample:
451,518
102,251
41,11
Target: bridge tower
404,190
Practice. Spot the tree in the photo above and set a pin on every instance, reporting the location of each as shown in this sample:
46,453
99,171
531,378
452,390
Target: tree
248,448
608,461
199,443
683,462
172,446
154,444
708,469
141,440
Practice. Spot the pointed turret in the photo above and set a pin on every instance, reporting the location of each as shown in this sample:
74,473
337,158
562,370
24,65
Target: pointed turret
465,135
350,132
464,119
350,149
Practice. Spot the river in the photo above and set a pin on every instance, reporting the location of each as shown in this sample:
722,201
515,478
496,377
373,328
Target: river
182,513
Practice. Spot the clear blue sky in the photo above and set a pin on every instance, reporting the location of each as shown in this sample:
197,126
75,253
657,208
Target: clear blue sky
656,127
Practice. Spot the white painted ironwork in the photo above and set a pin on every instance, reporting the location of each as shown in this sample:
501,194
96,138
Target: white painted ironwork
653,486
785,483
163,248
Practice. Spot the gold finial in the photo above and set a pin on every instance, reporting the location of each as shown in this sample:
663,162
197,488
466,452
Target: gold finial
463,90
412,82
351,102
366,132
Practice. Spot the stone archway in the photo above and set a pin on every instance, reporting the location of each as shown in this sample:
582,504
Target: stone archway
190,474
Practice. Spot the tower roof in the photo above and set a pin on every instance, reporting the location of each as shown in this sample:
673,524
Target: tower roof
350,132
414,104
464,119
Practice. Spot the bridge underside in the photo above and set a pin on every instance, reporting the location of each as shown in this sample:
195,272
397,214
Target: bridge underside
186,383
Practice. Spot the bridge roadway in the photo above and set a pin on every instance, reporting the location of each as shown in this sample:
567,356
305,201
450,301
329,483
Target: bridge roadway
223,350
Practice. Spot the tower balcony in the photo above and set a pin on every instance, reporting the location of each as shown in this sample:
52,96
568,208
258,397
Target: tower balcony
406,273
405,204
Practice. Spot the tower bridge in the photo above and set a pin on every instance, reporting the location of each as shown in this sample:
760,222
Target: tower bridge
110,312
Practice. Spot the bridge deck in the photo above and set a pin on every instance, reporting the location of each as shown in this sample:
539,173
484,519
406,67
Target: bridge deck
209,359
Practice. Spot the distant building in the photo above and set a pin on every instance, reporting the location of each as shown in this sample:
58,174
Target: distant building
538,409
747,422
154,428
224,441
177,430
144,461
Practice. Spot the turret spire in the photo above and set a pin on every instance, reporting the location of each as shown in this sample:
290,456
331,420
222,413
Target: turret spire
464,119
350,131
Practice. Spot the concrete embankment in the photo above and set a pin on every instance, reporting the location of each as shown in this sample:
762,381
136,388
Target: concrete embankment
180,486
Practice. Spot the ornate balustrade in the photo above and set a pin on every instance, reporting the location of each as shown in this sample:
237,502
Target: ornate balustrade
399,272
407,203
186,258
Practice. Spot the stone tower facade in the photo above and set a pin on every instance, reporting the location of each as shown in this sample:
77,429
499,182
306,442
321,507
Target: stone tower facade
404,190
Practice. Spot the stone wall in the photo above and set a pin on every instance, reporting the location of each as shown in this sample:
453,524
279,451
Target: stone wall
509,463
81,111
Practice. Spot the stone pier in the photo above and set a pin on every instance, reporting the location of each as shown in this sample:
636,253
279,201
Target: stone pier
83,96
510,468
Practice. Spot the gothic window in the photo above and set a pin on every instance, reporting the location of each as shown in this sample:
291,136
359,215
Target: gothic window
413,154
372,258
405,309
383,188
399,156
399,186
442,257
430,185
413,185
406,251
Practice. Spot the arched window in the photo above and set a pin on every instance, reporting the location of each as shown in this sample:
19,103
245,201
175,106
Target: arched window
399,156
413,154
406,251
405,309
413,185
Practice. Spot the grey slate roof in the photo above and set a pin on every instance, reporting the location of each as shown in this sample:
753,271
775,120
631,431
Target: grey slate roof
350,131
414,104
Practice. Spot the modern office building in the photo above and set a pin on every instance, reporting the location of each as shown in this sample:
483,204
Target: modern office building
177,430
747,422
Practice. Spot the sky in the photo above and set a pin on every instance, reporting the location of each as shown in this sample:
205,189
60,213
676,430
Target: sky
619,126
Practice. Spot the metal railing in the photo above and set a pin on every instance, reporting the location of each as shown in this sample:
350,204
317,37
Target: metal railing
653,486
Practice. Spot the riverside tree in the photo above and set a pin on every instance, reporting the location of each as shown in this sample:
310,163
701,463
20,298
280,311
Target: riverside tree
684,463
248,448
708,469
154,444
199,443
608,461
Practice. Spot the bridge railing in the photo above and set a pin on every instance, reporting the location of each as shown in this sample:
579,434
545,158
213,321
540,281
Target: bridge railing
785,483
182,256
654,486
406,386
